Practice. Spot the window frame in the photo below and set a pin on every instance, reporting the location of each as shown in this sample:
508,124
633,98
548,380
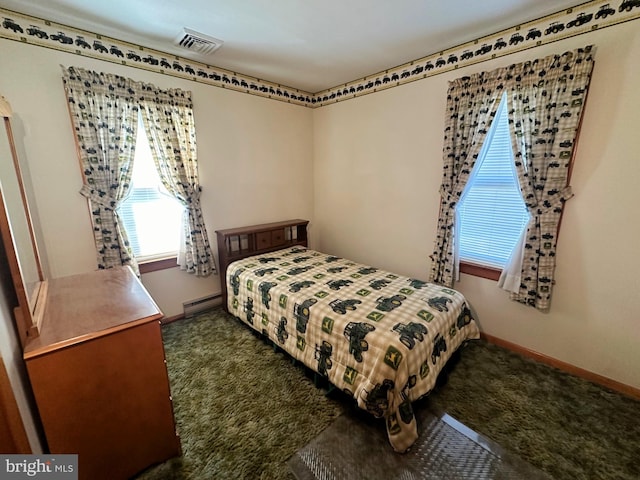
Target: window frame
148,266
161,260
480,270
476,269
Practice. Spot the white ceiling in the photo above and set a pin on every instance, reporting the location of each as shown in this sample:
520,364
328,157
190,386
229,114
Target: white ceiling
298,43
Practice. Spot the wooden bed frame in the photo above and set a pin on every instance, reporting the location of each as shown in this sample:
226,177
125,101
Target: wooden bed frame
238,243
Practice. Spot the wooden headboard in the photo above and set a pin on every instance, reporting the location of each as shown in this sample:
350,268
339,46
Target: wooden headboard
238,243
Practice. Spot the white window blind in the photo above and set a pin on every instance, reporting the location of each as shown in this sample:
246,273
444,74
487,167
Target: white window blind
491,214
152,217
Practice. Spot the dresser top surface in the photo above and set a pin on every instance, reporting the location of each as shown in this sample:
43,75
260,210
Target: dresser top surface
90,305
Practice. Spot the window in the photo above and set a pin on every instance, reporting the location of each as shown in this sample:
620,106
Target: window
152,217
491,214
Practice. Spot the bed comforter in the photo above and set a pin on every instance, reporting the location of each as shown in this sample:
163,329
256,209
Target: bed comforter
380,337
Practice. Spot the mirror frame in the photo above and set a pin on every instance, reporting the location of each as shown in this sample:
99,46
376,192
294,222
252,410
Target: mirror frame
30,311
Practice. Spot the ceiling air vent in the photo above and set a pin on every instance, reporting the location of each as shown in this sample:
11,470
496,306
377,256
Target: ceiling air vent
198,42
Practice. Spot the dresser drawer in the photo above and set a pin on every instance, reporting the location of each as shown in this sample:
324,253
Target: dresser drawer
271,238
277,237
263,240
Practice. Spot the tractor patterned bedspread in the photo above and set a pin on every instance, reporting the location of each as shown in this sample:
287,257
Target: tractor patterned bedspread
380,337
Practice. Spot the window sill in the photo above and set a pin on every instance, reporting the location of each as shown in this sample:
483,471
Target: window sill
155,265
480,271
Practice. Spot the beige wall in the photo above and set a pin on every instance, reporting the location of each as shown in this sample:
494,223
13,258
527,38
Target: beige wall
377,170
255,160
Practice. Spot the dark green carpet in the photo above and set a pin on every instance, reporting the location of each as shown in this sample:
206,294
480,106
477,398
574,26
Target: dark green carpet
243,410
567,427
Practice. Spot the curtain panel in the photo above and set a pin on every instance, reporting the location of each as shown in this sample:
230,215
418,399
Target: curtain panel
545,99
104,114
545,108
170,127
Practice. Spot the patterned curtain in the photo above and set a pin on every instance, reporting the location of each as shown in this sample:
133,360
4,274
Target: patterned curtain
472,103
104,113
170,126
546,98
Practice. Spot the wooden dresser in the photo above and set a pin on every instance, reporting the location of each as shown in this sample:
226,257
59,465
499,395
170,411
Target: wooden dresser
99,375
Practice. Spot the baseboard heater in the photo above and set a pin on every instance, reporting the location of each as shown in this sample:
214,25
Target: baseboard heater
201,304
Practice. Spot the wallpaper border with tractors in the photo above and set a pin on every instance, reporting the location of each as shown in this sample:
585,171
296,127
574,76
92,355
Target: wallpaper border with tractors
569,22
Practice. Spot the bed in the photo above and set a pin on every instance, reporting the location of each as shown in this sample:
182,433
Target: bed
380,337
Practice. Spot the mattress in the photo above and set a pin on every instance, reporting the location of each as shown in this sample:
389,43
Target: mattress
380,337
